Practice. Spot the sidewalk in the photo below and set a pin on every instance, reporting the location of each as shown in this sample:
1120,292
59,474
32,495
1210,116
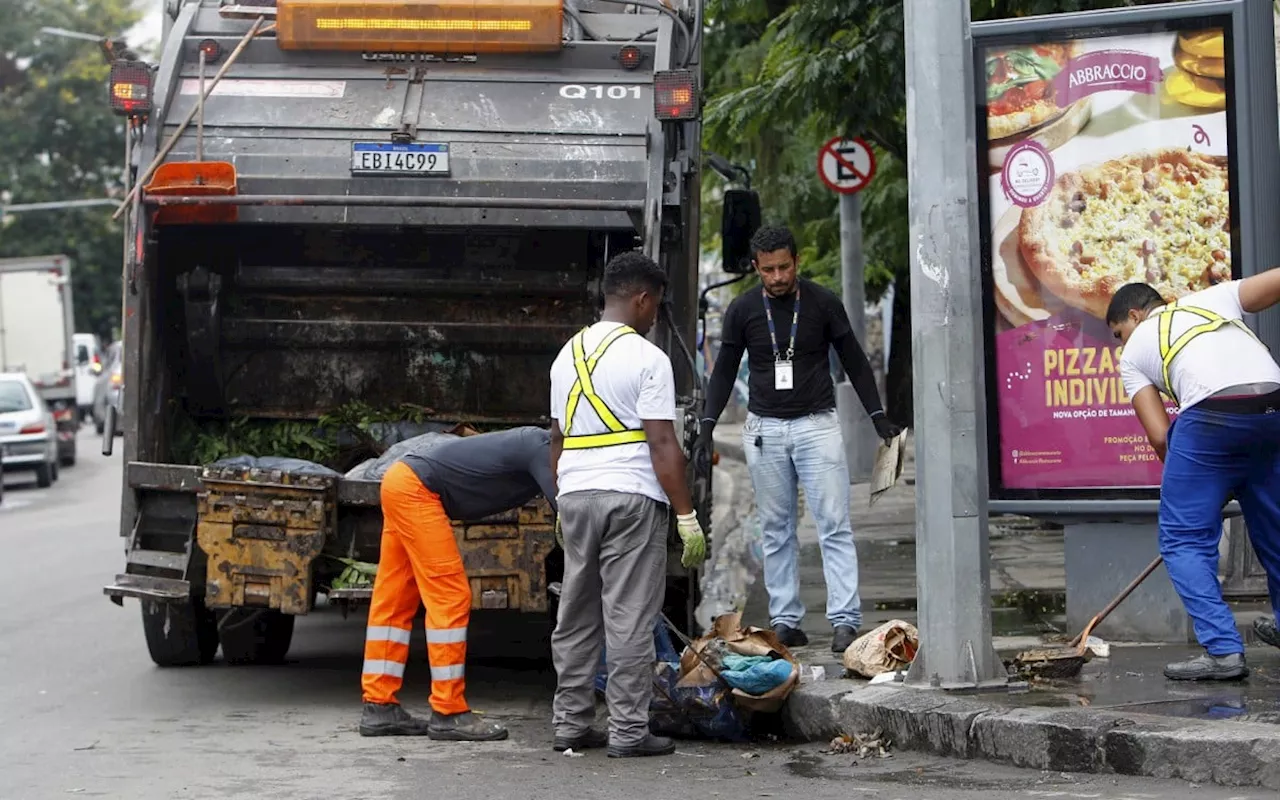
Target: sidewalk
1120,715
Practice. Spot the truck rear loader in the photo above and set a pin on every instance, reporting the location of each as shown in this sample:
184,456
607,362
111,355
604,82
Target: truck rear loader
347,213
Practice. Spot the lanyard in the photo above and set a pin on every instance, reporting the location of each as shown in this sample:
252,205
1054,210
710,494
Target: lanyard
773,333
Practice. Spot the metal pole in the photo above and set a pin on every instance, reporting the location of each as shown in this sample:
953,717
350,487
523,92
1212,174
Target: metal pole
855,426
952,563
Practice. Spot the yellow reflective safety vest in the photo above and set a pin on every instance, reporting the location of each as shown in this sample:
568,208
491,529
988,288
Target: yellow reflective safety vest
585,365
1170,347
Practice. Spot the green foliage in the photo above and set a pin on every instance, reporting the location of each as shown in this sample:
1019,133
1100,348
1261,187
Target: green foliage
205,441
60,141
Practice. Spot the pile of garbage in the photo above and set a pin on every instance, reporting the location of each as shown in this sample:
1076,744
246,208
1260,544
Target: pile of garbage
711,689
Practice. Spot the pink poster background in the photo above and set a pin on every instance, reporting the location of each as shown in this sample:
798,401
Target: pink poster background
1082,431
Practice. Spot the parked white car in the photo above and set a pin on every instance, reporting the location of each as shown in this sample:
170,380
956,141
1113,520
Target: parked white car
28,434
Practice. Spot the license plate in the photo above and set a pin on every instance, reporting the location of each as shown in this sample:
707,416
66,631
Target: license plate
385,158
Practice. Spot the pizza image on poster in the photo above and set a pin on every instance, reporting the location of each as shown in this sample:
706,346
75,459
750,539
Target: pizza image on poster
1112,169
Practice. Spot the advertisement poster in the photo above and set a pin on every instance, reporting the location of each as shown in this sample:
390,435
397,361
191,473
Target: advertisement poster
1107,164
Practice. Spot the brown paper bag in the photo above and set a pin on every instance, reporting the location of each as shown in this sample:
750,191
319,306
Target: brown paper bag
888,648
743,641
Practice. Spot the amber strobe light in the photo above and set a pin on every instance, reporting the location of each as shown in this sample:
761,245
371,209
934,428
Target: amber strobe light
675,95
420,26
129,88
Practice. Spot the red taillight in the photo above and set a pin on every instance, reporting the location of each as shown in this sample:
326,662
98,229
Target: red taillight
97,359
630,57
35,427
211,49
675,95
130,90
62,414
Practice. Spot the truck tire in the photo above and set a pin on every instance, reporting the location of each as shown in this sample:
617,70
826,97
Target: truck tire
179,634
255,636
69,459
45,474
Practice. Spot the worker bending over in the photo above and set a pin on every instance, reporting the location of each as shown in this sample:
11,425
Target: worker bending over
620,470
466,478
1225,441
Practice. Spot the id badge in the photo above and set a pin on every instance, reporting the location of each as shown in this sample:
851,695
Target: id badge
782,376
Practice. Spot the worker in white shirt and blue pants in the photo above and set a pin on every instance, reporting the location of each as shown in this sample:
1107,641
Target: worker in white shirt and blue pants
1225,442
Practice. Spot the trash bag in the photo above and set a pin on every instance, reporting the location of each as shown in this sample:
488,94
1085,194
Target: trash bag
295,465
889,648
755,675
693,712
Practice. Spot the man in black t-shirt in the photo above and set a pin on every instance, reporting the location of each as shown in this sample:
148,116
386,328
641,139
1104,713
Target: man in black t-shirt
792,435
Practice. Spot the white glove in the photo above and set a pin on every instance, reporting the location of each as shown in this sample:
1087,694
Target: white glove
695,542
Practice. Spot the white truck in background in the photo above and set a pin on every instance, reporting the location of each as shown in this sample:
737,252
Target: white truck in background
36,326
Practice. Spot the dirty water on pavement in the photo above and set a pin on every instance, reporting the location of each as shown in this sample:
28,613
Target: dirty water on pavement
1131,681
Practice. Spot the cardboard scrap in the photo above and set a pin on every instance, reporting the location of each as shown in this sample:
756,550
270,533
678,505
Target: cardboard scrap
890,457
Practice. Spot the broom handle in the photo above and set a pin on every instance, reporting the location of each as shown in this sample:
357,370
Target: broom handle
1120,598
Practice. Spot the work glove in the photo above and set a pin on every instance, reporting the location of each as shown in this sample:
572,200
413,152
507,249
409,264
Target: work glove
885,428
559,533
695,543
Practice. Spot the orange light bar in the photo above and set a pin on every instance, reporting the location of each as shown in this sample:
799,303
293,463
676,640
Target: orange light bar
421,26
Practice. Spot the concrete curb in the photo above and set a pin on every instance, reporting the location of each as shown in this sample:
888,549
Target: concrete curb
1225,753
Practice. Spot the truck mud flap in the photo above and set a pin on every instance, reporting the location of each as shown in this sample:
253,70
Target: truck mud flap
261,529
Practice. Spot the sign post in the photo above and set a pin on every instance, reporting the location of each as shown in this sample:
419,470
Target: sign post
952,559
847,166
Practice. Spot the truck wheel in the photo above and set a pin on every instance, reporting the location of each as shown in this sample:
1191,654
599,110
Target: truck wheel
179,634
255,636
44,475
69,459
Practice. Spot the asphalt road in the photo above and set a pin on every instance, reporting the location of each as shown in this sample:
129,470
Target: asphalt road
84,712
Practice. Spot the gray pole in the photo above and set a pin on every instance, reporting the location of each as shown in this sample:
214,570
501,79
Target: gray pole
952,563
859,434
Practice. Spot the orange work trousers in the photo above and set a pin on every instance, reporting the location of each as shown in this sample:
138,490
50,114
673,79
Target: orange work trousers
420,559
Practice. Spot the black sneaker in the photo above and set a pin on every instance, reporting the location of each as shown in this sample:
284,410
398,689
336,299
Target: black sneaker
845,635
591,740
789,636
650,746
389,719
1205,667
464,727
1265,629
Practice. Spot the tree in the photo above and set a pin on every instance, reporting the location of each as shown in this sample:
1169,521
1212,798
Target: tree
60,141
782,76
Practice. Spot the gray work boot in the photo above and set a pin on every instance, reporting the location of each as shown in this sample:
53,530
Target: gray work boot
649,746
1205,667
464,727
845,635
1265,629
591,740
389,719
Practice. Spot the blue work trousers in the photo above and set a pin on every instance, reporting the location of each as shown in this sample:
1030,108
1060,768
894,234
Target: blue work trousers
1211,456
808,451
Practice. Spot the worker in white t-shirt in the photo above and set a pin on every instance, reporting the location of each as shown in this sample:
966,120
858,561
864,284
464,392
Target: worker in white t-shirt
620,471
1224,442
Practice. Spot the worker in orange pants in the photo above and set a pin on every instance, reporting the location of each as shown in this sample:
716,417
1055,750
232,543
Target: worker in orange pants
466,478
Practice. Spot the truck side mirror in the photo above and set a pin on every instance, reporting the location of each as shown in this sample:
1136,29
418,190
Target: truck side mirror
738,223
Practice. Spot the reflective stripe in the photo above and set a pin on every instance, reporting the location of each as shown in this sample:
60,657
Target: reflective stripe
379,666
582,387
1169,347
604,440
446,635
450,673
386,633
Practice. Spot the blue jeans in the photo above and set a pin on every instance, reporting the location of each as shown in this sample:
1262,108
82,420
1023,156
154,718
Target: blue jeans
1211,456
806,451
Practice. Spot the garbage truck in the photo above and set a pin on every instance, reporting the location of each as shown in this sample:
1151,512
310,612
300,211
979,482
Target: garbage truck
344,218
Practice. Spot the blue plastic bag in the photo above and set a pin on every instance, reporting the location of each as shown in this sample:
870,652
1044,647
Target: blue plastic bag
758,678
